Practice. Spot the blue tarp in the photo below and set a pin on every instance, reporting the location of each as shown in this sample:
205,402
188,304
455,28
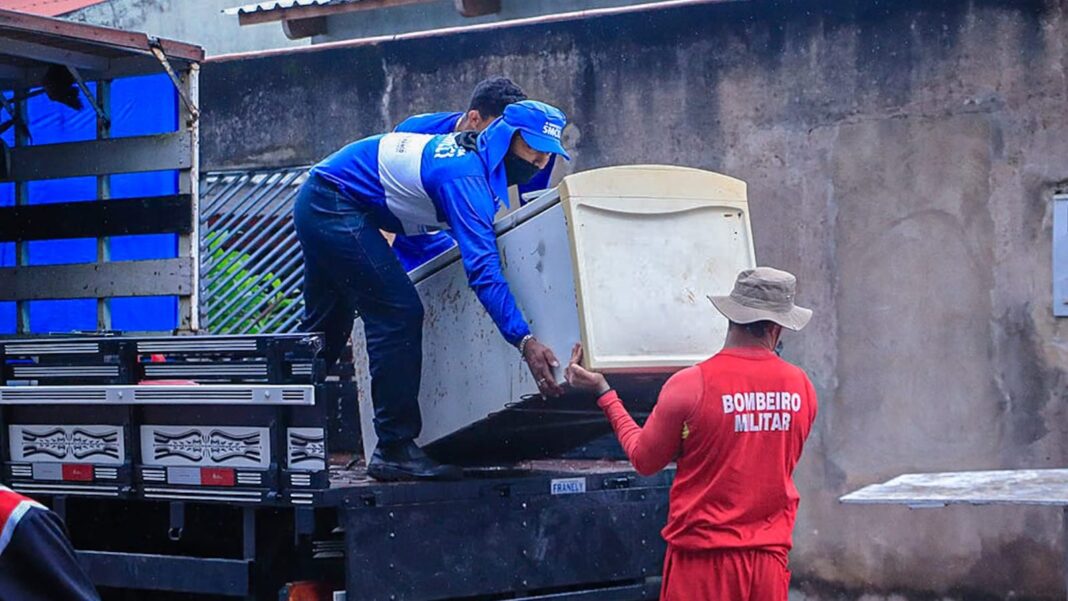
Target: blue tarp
139,106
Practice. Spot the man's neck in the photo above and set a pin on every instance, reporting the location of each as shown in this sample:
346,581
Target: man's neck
742,339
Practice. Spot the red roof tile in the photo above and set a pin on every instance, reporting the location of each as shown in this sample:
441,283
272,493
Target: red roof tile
48,8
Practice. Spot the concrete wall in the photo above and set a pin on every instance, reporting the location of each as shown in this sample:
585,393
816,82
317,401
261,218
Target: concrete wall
195,21
901,157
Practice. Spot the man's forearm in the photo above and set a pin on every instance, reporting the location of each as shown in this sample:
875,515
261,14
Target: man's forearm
652,447
627,431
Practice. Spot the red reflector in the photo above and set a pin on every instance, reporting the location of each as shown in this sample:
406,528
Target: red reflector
216,476
309,591
77,472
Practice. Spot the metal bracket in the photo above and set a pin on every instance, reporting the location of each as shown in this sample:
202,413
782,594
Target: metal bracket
304,523
157,50
177,521
59,507
248,533
104,118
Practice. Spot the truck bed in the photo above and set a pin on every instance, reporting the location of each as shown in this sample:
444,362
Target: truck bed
546,476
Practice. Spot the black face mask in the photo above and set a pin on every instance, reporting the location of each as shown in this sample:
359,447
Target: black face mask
519,171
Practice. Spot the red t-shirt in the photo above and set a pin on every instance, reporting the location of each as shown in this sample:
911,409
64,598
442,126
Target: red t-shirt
736,425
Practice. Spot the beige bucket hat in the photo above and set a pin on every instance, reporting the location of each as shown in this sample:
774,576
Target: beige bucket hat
763,294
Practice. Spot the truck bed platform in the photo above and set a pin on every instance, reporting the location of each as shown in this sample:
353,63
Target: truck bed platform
347,481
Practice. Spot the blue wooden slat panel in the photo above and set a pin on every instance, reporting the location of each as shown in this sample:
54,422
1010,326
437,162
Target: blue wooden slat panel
51,252
62,315
139,106
51,123
8,323
133,117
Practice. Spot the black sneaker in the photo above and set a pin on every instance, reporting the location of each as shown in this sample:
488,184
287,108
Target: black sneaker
406,461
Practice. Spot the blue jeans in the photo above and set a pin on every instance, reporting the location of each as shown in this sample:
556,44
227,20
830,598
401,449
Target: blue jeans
349,267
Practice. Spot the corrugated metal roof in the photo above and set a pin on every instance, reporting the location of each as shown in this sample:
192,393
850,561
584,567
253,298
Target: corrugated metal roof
263,7
47,8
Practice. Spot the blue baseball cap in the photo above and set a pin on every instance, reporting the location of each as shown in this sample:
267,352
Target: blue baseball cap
540,124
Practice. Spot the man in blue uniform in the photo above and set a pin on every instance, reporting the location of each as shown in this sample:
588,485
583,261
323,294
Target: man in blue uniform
404,183
487,103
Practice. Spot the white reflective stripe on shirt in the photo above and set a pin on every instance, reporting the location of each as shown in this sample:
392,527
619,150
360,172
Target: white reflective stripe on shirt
400,158
13,521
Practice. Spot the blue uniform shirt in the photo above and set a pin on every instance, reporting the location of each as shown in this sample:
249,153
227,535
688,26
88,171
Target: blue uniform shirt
415,182
417,249
445,123
430,123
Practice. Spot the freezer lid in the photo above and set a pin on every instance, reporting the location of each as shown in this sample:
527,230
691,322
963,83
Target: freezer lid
649,243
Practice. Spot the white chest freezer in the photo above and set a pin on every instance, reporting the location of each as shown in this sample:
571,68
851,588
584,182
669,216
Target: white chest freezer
621,258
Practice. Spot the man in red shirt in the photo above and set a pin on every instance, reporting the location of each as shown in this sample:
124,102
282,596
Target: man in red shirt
735,424
37,561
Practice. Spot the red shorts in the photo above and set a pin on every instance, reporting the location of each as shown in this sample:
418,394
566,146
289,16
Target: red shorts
735,575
